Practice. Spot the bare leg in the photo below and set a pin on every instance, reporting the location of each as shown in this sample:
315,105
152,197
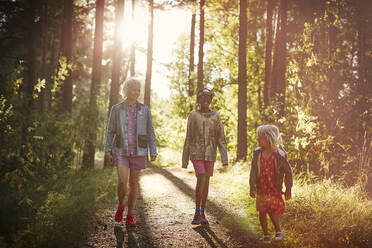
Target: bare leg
275,218
198,190
123,172
204,192
133,189
263,222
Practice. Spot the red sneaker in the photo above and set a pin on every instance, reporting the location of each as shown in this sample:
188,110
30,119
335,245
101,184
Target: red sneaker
119,213
203,219
130,220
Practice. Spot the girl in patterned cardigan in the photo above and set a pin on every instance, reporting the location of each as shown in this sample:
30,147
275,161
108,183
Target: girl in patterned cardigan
204,134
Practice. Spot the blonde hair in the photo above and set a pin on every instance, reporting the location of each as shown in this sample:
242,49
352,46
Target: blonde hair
128,83
272,134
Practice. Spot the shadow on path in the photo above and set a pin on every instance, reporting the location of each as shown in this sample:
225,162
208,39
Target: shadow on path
119,234
139,236
207,233
232,222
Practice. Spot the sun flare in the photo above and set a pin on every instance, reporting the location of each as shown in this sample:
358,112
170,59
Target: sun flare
168,27
134,29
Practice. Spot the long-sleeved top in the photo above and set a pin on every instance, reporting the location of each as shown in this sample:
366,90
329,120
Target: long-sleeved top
118,128
204,134
282,171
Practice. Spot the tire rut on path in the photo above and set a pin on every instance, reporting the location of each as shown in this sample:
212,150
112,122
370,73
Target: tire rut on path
164,211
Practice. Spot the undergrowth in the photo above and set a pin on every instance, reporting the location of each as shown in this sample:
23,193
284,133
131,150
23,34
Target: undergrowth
59,212
321,213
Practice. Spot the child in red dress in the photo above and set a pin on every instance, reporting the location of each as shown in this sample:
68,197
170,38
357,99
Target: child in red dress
270,168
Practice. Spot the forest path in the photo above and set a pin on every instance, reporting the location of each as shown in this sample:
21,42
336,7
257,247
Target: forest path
164,211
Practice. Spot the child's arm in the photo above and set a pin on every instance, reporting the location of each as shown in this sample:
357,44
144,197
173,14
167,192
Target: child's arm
221,141
186,146
288,178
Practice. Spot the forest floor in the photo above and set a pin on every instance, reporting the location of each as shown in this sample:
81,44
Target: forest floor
164,211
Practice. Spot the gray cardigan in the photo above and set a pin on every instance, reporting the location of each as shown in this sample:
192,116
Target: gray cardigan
283,171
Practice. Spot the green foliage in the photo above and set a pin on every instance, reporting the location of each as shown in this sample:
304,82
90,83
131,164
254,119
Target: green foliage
38,151
170,128
60,208
326,112
320,214
343,214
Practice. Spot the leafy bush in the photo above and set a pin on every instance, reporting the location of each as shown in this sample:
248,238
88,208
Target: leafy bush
322,213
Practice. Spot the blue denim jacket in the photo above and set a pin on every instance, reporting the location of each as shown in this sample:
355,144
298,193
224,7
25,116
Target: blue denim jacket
117,130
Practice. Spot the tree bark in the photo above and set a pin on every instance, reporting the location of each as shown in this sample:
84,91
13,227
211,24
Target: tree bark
333,91
150,39
133,48
278,80
44,45
274,71
282,59
242,81
30,83
192,50
116,55
201,46
67,52
268,51
88,156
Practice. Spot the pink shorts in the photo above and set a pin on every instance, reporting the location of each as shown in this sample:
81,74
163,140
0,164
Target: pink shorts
135,163
203,167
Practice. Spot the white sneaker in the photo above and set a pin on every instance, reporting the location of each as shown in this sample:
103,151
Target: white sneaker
279,236
266,239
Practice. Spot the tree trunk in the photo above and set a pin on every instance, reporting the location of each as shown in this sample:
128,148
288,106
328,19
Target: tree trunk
363,106
52,65
88,157
333,91
242,81
274,71
133,48
116,55
150,39
44,46
192,49
201,46
116,60
268,51
282,59
30,83
67,52
278,80
361,30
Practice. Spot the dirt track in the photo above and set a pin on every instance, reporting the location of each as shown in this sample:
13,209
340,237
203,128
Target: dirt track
164,211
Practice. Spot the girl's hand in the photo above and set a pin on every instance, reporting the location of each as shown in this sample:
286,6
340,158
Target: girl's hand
253,194
287,196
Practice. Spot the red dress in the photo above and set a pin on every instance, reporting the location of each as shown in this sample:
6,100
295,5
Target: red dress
268,200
